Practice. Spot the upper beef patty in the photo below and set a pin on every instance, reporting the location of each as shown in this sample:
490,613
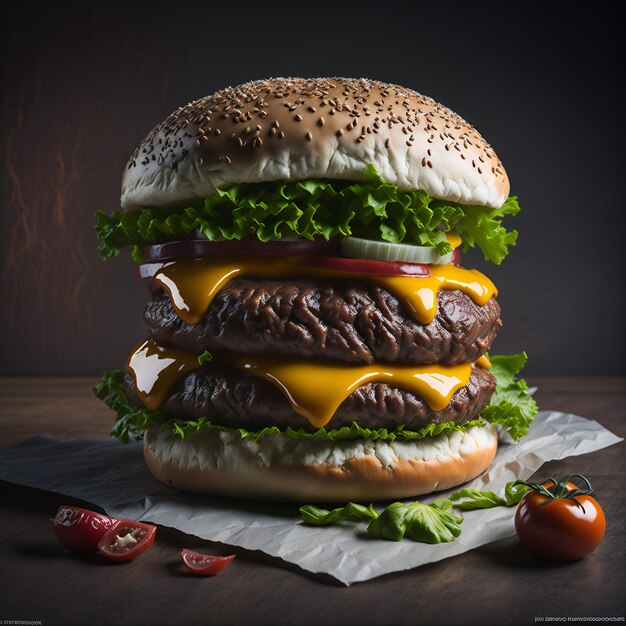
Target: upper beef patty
238,399
354,322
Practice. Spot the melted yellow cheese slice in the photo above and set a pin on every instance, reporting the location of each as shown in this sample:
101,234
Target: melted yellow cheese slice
155,369
314,388
192,284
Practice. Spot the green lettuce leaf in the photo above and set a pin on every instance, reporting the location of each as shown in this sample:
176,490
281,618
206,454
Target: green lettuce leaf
428,523
515,491
372,209
469,499
511,405
205,357
352,512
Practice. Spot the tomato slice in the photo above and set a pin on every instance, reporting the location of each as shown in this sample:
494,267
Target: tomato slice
80,530
369,266
198,248
126,540
204,564
456,257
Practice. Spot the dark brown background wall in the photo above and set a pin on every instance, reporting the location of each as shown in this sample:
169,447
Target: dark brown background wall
83,83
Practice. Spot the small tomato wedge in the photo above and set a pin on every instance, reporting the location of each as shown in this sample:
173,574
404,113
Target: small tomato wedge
80,530
560,520
126,540
204,564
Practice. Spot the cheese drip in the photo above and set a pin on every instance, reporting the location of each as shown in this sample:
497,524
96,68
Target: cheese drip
155,369
192,284
314,388
453,239
483,362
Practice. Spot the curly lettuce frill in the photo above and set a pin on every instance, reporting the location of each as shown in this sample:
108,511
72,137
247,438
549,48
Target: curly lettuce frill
373,209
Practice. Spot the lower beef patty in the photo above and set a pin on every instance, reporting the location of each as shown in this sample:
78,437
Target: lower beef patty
355,322
240,400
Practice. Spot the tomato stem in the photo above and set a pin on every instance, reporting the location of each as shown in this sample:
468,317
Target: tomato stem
559,489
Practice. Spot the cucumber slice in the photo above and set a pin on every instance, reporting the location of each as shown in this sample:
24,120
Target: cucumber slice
384,251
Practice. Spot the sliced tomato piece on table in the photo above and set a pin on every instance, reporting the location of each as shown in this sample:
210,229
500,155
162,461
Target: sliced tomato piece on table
126,540
204,564
80,530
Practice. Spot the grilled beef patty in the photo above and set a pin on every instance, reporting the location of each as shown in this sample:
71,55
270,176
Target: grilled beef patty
354,322
237,399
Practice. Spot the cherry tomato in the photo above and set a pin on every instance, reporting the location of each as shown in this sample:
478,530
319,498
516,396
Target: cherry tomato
204,564
560,521
126,540
80,530
369,266
198,248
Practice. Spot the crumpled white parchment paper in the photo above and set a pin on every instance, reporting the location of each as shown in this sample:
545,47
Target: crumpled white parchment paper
114,477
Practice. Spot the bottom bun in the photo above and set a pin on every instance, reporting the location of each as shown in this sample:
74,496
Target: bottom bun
276,467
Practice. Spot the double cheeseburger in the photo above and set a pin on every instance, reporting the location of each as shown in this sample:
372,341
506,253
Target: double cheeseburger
311,332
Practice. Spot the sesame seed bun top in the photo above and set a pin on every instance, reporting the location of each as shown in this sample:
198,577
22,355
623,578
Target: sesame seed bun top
297,128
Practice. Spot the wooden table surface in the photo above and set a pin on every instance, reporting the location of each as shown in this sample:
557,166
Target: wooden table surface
496,584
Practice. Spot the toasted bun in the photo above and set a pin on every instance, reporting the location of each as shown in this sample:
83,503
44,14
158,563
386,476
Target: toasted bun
315,470
294,128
